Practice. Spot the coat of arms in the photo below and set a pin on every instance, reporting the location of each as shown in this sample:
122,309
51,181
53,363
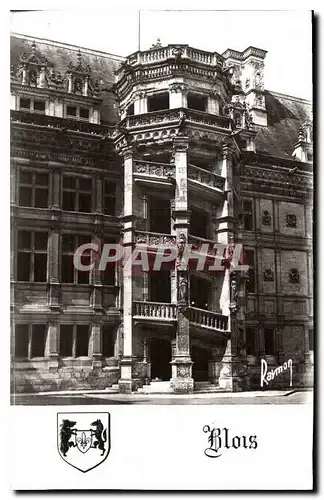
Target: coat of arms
83,439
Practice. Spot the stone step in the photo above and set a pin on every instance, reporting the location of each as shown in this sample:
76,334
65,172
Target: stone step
155,388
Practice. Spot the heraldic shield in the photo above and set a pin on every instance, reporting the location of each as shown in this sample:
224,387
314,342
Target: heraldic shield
83,439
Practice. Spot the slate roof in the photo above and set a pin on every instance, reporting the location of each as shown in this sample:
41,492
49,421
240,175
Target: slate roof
59,55
285,115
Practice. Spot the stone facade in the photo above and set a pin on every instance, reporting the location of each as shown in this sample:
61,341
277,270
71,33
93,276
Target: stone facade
174,146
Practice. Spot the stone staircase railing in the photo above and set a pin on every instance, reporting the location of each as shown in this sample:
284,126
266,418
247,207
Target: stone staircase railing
208,319
205,177
154,169
154,310
154,239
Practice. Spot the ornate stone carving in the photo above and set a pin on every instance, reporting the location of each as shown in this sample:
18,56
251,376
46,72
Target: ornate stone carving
294,276
268,275
291,220
183,288
266,218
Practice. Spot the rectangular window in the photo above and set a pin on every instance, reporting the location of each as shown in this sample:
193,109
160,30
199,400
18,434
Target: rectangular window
69,274
249,260
66,341
32,256
77,194
71,111
130,110
269,341
30,340
250,334
21,341
24,103
159,215
196,101
33,189
108,341
248,215
84,113
109,198
158,102
199,223
38,340
39,106
82,340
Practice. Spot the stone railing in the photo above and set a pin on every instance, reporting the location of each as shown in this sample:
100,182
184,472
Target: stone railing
197,242
65,124
160,54
205,177
150,168
208,319
154,310
203,118
167,116
154,239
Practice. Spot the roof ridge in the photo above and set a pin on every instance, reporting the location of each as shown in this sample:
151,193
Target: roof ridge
293,98
56,43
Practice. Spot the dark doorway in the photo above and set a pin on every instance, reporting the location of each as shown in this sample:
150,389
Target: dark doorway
200,292
200,357
160,286
160,359
160,219
199,223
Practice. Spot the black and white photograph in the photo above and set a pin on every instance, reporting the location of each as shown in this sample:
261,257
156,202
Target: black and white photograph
162,221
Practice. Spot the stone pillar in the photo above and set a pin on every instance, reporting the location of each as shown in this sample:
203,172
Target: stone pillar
177,95
125,381
99,193
181,381
95,344
213,103
13,184
53,267
53,344
56,189
95,274
140,103
42,80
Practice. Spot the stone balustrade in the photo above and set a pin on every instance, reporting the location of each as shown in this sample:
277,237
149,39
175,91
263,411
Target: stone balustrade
161,54
154,310
173,116
154,169
154,239
205,177
208,319
66,124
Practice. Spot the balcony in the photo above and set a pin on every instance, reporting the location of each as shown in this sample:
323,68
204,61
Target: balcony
153,171
208,319
154,311
57,123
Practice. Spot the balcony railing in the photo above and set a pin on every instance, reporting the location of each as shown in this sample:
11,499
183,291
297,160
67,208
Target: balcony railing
160,54
154,310
154,239
169,116
197,242
208,319
58,123
153,169
205,177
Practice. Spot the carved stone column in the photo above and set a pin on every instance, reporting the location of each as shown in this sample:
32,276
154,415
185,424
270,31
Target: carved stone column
182,381
53,343
140,103
53,267
178,95
125,381
213,103
95,345
98,191
95,274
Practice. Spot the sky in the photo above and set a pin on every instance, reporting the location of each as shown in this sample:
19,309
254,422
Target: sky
286,35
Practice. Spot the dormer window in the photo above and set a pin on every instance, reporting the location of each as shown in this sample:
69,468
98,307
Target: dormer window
77,112
78,86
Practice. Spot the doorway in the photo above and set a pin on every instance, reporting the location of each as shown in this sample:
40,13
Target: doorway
200,357
160,359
